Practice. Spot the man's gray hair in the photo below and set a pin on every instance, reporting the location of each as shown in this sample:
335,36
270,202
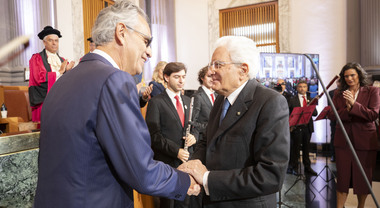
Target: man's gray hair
122,11
242,50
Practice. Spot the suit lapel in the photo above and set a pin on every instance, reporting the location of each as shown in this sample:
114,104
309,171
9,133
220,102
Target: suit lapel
186,107
298,102
363,95
237,110
205,98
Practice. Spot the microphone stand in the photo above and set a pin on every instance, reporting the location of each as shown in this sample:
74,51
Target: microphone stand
344,131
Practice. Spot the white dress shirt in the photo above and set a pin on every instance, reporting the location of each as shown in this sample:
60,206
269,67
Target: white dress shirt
174,101
107,57
300,97
208,93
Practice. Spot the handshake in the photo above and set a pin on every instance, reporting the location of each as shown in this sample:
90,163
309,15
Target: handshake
196,170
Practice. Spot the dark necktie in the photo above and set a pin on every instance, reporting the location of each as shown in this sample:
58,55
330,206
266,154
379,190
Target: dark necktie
212,98
180,111
225,107
304,104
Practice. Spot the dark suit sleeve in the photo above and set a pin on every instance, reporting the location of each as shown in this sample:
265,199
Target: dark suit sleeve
159,141
125,140
270,154
200,149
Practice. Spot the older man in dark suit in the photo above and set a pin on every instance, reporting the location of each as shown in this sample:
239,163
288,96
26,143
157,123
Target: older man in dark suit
244,153
167,119
94,144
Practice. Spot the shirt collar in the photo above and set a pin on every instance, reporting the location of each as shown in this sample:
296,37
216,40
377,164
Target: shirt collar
233,96
300,96
106,56
207,91
172,94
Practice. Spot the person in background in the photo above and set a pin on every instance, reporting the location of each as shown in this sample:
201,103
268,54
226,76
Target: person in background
301,135
358,106
313,88
92,45
45,68
95,145
204,99
167,118
158,82
283,89
241,161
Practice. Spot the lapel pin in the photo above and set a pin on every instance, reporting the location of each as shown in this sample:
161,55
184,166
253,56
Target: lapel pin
185,107
238,113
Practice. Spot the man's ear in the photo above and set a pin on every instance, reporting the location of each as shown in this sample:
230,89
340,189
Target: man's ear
121,32
166,78
244,69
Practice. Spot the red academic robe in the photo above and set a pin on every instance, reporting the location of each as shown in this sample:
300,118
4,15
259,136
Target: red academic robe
40,81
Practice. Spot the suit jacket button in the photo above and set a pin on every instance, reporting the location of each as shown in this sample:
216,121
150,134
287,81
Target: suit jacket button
178,196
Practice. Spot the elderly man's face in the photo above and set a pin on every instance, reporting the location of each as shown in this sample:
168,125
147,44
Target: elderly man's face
225,77
136,52
51,43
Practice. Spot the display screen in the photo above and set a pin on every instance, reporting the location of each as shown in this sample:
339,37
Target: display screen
291,68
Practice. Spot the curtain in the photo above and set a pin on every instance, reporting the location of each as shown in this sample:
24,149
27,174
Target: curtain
162,14
26,17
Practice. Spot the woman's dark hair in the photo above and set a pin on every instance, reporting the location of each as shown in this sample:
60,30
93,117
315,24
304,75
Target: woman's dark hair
363,80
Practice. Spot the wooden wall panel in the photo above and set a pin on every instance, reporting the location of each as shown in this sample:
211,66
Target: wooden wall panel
258,22
91,9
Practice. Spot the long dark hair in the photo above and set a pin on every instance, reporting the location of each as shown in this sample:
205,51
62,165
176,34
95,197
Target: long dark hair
363,80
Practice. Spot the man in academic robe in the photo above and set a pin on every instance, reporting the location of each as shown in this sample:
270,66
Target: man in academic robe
45,68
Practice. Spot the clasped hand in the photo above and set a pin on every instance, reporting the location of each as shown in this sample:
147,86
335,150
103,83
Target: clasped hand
65,66
196,170
350,100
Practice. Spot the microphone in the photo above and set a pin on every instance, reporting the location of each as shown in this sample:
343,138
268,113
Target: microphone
14,44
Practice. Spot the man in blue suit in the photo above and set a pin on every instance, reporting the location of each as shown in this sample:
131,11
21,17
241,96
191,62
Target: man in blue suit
94,145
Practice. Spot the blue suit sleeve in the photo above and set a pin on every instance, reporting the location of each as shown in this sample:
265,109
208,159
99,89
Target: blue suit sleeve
125,140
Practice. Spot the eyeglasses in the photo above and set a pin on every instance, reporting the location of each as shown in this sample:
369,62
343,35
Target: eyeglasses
219,64
147,39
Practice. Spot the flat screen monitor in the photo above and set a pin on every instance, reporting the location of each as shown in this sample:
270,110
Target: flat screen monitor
290,67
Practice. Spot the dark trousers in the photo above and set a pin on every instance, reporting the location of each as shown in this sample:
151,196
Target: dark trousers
300,137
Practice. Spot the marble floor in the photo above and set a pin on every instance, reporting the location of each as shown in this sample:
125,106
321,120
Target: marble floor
319,191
